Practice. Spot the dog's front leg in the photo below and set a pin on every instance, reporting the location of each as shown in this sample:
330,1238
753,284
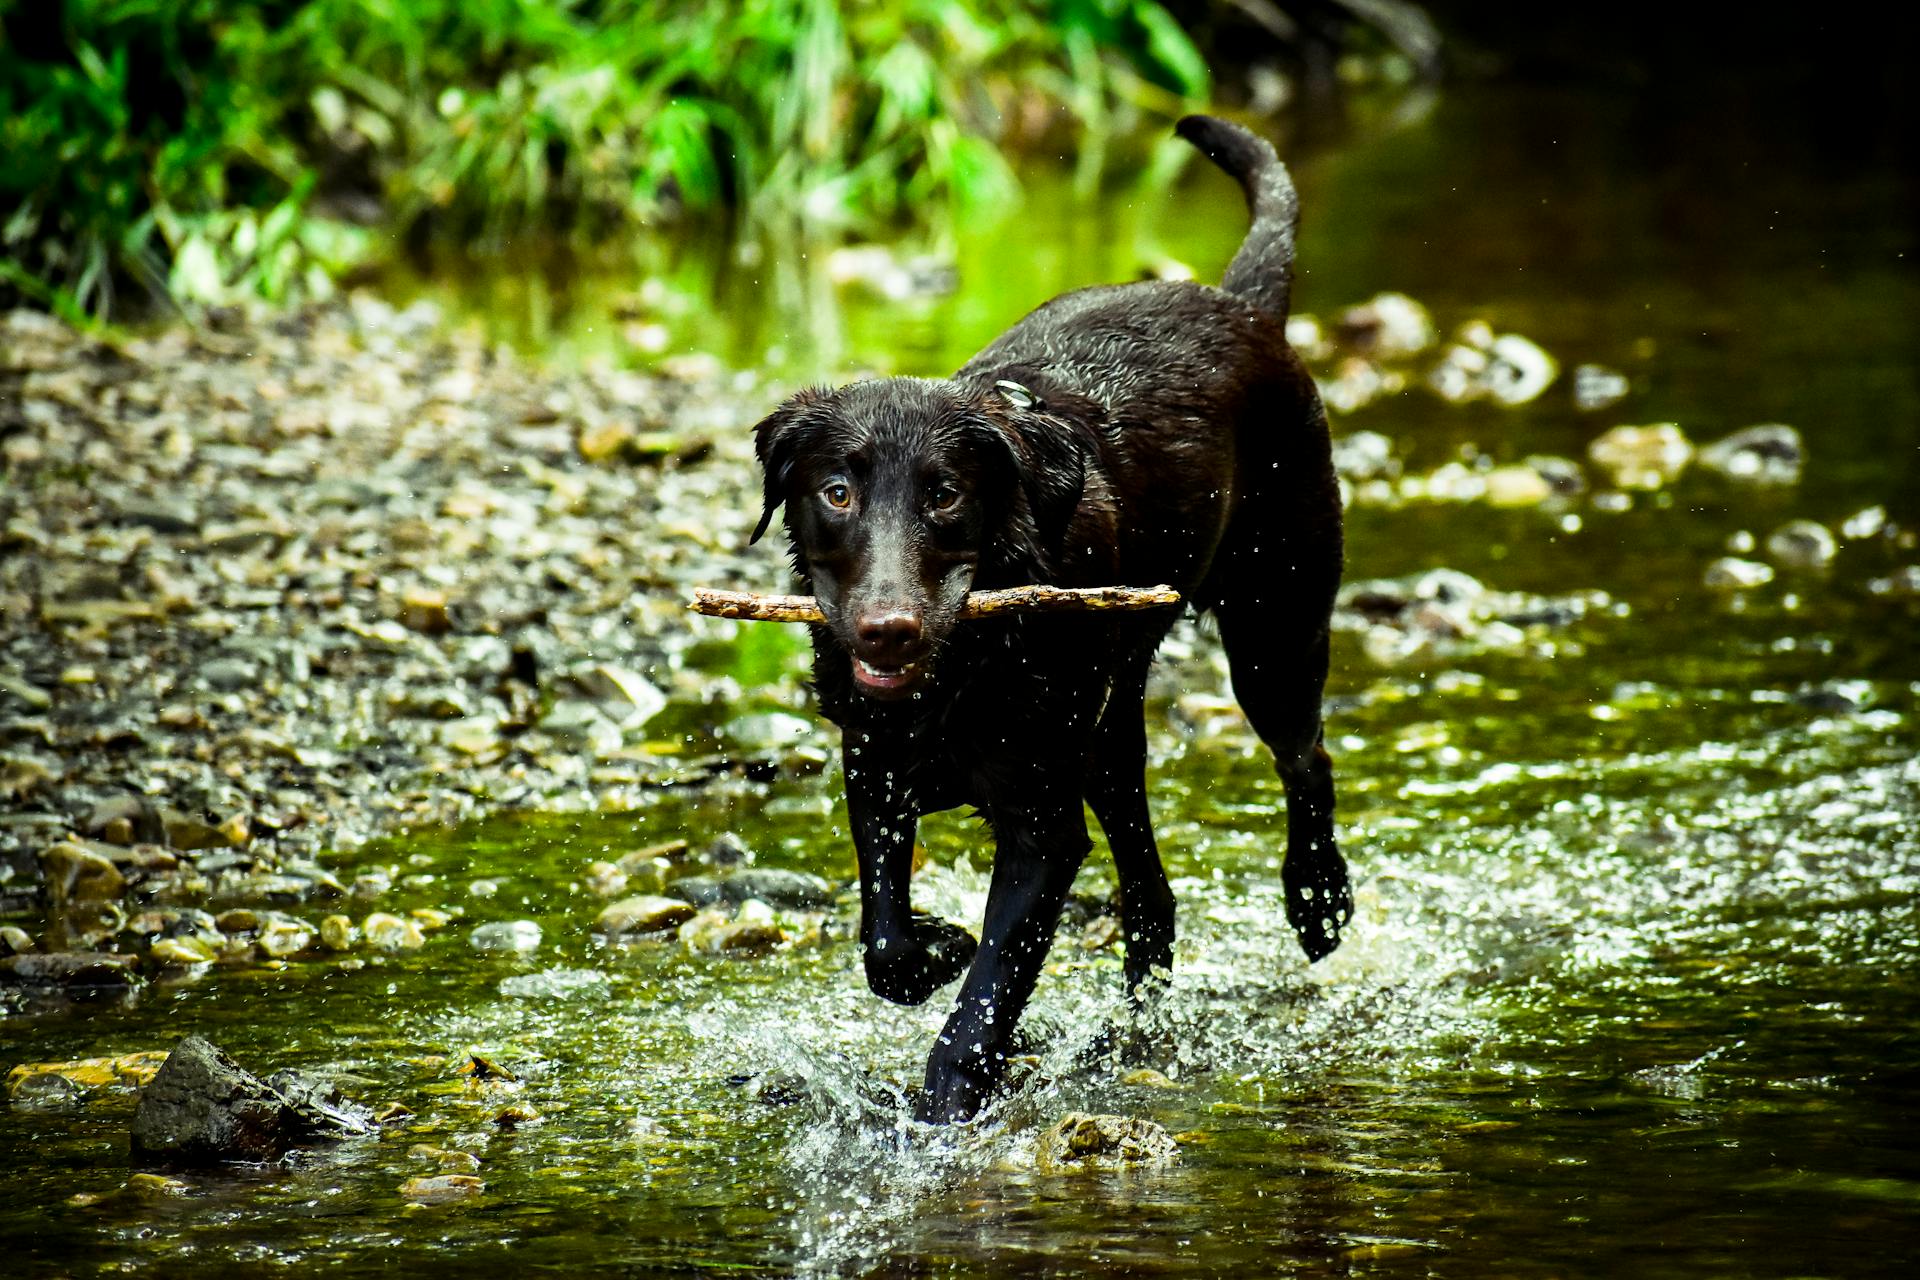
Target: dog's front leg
908,955
1037,855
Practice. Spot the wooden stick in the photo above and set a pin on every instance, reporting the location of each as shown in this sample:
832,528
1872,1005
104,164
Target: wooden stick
749,606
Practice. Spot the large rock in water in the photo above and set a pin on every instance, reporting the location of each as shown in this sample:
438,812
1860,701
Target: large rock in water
203,1108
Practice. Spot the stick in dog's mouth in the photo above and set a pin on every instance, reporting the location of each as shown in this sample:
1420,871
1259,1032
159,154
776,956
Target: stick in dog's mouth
751,606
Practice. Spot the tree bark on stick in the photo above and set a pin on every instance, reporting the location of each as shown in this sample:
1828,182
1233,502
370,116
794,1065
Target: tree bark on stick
749,606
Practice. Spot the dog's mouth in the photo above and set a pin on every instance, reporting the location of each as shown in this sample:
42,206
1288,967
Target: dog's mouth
880,681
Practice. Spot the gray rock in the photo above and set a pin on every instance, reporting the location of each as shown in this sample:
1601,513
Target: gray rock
203,1108
643,913
727,850
1802,544
71,970
228,675
1597,387
518,936
794,890
1771,453
159,513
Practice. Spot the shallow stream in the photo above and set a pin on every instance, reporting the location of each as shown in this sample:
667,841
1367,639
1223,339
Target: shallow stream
1635,979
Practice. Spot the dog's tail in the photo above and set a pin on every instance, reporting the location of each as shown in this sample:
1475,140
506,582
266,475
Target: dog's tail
1262,271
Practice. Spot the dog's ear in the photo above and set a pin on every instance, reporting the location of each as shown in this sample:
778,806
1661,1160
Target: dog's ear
1040,466
776,441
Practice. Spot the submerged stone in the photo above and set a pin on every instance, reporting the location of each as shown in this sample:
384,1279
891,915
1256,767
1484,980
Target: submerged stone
521,937
203,1108
1082,1141
643,913
1802,544
1771,453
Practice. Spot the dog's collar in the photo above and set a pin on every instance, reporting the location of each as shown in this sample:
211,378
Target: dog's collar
1016,395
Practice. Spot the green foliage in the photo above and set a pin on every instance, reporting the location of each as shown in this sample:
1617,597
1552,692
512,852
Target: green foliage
212,150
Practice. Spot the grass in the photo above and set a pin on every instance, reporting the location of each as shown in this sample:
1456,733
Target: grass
206,151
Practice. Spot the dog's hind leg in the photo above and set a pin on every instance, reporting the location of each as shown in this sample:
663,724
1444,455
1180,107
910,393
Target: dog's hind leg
1274,587
1116,790
1278,680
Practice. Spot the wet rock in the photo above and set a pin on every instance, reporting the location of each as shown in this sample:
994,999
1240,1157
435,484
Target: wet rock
190,833
425,611
1598,387
463,1160
21,775
626,697
83,1075
644,913
1771,453
1865,523
15,941
1388,326
159,513
580,725
1730,573
1516,487
1364,455
727,850
1563,475
1083,1141
794,890
284,936
228,675
203,1108
1518,370
1642,457
713,933
387,932
520,937
1802,544
1904,581
181,953
337,933
74,874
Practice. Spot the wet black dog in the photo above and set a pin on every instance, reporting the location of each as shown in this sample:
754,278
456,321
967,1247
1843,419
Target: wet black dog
1133,434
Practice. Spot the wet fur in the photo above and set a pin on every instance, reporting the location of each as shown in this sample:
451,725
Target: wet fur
1154,432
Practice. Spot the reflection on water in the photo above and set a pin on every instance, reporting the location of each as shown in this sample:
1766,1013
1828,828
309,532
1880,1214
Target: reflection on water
1636,970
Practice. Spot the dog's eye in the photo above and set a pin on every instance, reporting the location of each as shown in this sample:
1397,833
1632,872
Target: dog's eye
838,496
943,496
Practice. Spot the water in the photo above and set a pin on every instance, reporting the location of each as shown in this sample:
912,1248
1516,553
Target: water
1634,980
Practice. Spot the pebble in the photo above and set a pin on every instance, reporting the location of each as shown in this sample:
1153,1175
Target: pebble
181,952
1802,544
1730,573
1388,326
1642,457
643,913
1771,453
1082,1141
1598,387
386,932
794,890
74,874
443,1188
521,937
337,933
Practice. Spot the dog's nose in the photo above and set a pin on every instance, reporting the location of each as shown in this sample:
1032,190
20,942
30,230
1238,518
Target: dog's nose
888,635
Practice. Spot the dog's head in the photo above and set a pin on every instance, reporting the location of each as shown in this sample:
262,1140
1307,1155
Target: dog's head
901,494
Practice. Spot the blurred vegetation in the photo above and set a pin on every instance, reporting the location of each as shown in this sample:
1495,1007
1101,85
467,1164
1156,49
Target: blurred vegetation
204,151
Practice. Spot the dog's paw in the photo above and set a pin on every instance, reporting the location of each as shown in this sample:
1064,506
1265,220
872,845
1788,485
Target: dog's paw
1319,902
907,971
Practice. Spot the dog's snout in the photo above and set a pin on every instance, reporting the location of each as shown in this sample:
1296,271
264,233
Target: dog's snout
888,634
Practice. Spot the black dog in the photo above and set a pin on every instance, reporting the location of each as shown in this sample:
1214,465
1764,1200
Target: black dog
1132,434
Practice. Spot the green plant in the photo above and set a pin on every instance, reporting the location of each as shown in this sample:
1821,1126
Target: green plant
208,151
